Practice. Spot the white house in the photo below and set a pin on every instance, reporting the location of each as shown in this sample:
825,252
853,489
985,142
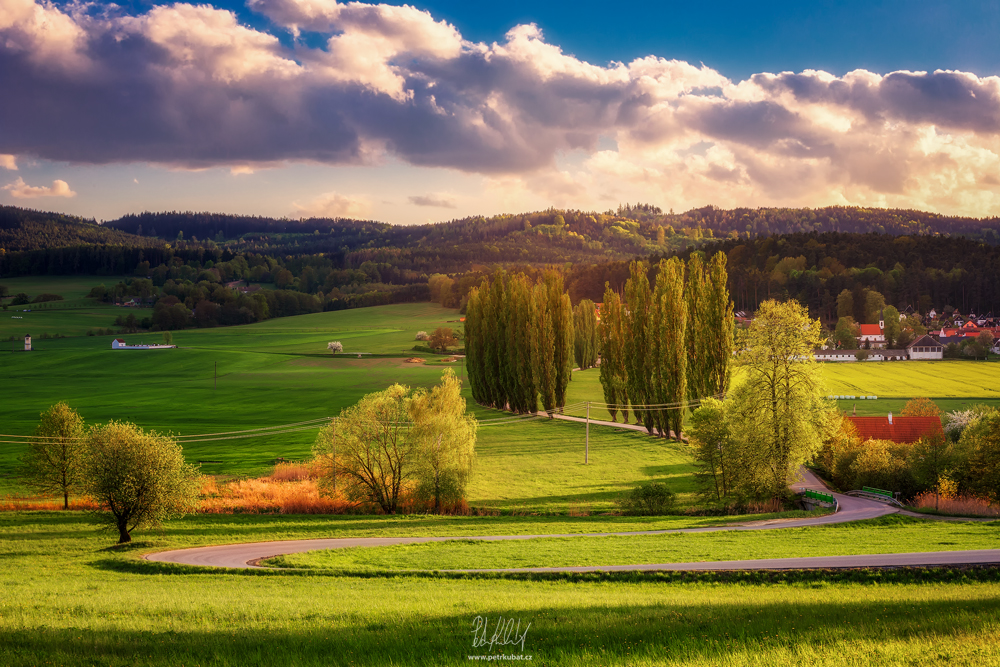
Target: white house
926,347
119,344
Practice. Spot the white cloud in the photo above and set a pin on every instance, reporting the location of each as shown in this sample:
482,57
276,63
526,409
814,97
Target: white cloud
333,205
8,162
190,87
21,190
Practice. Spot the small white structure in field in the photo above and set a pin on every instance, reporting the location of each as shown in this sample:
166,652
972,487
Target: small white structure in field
27,342
119,344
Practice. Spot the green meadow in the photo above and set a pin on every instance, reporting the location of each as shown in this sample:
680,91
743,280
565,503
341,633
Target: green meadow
890,534
72,599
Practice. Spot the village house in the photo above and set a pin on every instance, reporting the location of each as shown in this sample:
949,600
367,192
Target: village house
926,347
897,429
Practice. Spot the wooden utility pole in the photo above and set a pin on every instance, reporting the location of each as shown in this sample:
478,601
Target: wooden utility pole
586,451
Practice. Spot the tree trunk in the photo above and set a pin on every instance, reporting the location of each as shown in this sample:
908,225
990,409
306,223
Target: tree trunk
123,534
65,500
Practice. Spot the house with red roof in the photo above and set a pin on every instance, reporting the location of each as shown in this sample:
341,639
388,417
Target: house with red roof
898,429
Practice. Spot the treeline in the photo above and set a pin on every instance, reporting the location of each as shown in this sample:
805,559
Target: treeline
666,346
27,229
920,272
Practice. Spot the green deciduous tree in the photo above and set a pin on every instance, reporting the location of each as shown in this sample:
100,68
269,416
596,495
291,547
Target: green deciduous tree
614,373
561,310
780,408
845,304
892,328
718,328
638,299
137,478
375,454
698,326
585,334
668,354
543,348
52,462
846,333
446,437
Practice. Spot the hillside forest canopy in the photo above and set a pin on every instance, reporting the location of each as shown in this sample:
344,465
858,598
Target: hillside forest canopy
180,261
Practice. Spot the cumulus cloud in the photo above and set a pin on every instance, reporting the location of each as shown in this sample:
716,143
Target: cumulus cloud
8,162
439,201
190,87
333,205
21,190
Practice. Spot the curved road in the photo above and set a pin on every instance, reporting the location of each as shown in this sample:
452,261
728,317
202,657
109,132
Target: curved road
851,509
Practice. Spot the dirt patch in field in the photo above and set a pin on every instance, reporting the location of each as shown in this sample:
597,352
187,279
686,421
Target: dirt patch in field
415,360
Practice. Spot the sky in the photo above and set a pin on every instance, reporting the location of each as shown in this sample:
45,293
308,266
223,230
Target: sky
434,111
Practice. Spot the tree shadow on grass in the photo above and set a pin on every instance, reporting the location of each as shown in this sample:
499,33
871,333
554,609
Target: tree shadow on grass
751,629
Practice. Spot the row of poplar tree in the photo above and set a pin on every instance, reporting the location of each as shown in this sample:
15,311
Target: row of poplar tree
521,342
666,345
660,346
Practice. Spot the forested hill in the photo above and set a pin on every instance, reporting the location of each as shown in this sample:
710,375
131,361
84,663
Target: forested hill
25,229
917,271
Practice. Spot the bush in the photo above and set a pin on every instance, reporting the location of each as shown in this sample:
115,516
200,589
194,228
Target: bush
20,299
41,298
422,335
653,499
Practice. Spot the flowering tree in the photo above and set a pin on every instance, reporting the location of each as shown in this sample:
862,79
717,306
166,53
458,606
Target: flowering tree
335,346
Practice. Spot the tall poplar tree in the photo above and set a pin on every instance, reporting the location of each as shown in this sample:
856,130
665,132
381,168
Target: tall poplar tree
544,347
585,334
614,375
718,328
520,347
474,354
697,325
561,312
672,352
638,299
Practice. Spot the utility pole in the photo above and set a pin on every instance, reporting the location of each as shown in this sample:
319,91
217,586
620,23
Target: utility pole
586,451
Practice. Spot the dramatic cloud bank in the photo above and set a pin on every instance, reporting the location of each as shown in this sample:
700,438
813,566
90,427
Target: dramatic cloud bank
188,86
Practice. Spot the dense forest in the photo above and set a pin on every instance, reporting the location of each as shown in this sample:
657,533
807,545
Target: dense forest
921,272
915,259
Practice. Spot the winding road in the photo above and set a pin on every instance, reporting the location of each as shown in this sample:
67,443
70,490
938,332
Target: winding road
851,509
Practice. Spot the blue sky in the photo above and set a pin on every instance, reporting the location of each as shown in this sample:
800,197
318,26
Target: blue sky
305,107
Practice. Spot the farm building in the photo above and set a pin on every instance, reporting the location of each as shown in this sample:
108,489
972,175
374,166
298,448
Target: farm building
926,347
119,344
897,429
835,355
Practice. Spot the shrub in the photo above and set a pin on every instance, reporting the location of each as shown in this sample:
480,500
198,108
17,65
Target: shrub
41,298
653,499
422,335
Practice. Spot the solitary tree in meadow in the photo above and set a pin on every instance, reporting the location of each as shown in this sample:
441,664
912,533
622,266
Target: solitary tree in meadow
52,462
138,478
335,346
442,339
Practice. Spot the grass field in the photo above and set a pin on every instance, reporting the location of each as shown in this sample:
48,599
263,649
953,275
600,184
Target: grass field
891,534
952,384
70,600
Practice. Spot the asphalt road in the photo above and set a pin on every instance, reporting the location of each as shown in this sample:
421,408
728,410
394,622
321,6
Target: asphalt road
851,509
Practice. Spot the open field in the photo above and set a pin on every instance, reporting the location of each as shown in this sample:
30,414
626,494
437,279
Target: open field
952,384
890,534
70,600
